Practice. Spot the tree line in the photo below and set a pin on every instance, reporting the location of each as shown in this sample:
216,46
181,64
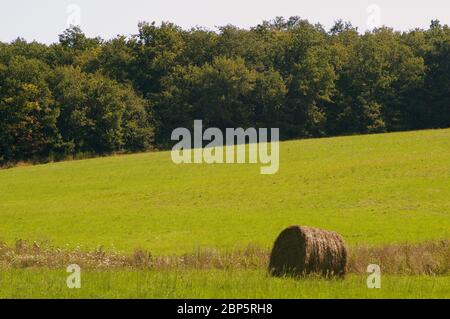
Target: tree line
90,96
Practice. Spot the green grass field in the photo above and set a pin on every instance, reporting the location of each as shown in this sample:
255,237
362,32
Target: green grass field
373,189
212,284
376,189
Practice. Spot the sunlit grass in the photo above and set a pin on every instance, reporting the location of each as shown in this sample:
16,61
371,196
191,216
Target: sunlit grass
211,284
375,189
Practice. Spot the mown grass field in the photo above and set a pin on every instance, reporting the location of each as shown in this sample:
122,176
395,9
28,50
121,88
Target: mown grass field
374,190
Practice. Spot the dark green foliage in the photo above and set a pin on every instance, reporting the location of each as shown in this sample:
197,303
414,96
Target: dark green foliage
86,95
98,115
28,113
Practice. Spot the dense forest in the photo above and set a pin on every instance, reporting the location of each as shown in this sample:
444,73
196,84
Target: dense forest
87,96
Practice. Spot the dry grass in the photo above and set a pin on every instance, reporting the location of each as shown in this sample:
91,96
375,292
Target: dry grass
432,258
27,255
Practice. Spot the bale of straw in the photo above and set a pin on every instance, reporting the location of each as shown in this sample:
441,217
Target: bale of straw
301,250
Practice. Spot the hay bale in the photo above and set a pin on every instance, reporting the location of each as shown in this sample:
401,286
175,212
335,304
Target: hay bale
301,250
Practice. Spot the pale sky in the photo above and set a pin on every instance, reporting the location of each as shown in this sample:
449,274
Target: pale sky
43,20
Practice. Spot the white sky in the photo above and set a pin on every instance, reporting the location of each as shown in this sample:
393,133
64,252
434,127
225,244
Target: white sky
43,20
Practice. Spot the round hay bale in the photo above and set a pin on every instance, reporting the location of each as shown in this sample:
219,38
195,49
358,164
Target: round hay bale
301,250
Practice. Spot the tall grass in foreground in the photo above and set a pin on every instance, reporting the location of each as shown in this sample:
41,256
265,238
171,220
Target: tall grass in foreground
19,283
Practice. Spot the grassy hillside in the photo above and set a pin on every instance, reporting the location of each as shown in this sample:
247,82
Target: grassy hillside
375,189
